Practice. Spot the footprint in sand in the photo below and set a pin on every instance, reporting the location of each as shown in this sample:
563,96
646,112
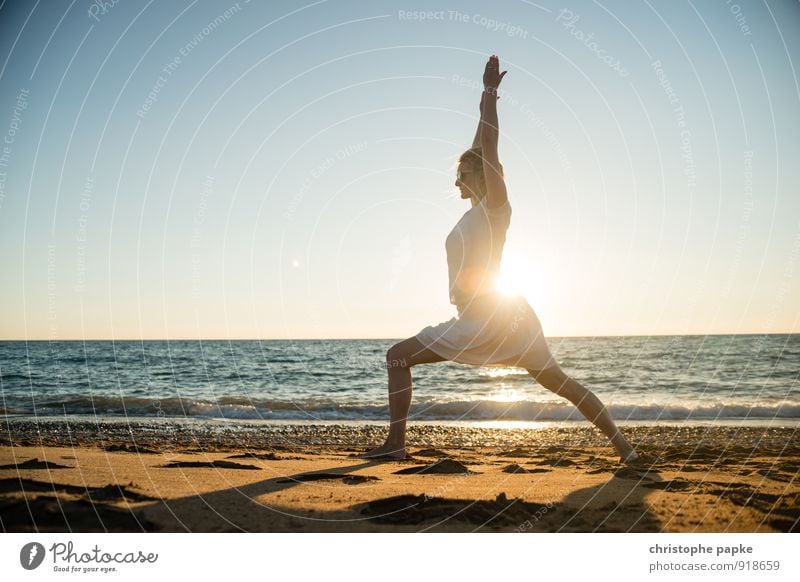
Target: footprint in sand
514,468
36,464
209,464
347,478
431,453
259,456
443,467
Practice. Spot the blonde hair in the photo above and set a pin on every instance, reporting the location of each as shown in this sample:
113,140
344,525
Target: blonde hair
473,157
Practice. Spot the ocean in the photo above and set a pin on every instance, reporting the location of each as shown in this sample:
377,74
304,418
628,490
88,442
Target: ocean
744,379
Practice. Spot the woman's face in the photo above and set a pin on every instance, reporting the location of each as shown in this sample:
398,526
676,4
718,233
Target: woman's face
468,181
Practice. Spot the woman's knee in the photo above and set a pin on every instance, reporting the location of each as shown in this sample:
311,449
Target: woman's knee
410,352
555,380
397,356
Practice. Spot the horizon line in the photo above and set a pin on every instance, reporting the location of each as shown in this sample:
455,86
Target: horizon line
217,339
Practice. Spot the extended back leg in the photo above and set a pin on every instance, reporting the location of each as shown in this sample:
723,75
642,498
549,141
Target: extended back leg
555,380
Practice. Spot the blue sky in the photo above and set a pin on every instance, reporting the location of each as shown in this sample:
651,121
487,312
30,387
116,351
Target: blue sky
285,170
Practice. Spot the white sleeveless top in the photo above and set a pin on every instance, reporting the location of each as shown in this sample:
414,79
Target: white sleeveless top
474,249
492,328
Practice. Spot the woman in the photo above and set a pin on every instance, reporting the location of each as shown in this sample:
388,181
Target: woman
491,329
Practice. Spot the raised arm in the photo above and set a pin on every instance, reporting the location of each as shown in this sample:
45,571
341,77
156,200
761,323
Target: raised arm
476,142
489,132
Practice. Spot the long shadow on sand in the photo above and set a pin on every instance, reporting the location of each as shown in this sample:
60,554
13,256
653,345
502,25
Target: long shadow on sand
66,508
616,505
235,509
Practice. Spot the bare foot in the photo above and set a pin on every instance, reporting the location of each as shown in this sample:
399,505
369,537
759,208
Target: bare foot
630,458
384,451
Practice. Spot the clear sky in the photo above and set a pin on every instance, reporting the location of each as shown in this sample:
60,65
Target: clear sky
286,169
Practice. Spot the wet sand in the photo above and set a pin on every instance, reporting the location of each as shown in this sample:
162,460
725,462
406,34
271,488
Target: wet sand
169,476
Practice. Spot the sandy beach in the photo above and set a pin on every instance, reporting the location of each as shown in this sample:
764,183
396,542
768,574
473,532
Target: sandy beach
125,476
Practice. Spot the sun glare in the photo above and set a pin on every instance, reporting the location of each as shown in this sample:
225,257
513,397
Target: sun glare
516,277
508,395
500,371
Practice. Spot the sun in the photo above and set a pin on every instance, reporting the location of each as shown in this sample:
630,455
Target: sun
517,277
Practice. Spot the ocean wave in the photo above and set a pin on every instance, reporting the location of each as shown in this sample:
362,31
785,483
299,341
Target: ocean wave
236,407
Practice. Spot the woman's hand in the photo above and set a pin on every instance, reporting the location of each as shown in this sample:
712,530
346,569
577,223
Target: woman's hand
492,75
